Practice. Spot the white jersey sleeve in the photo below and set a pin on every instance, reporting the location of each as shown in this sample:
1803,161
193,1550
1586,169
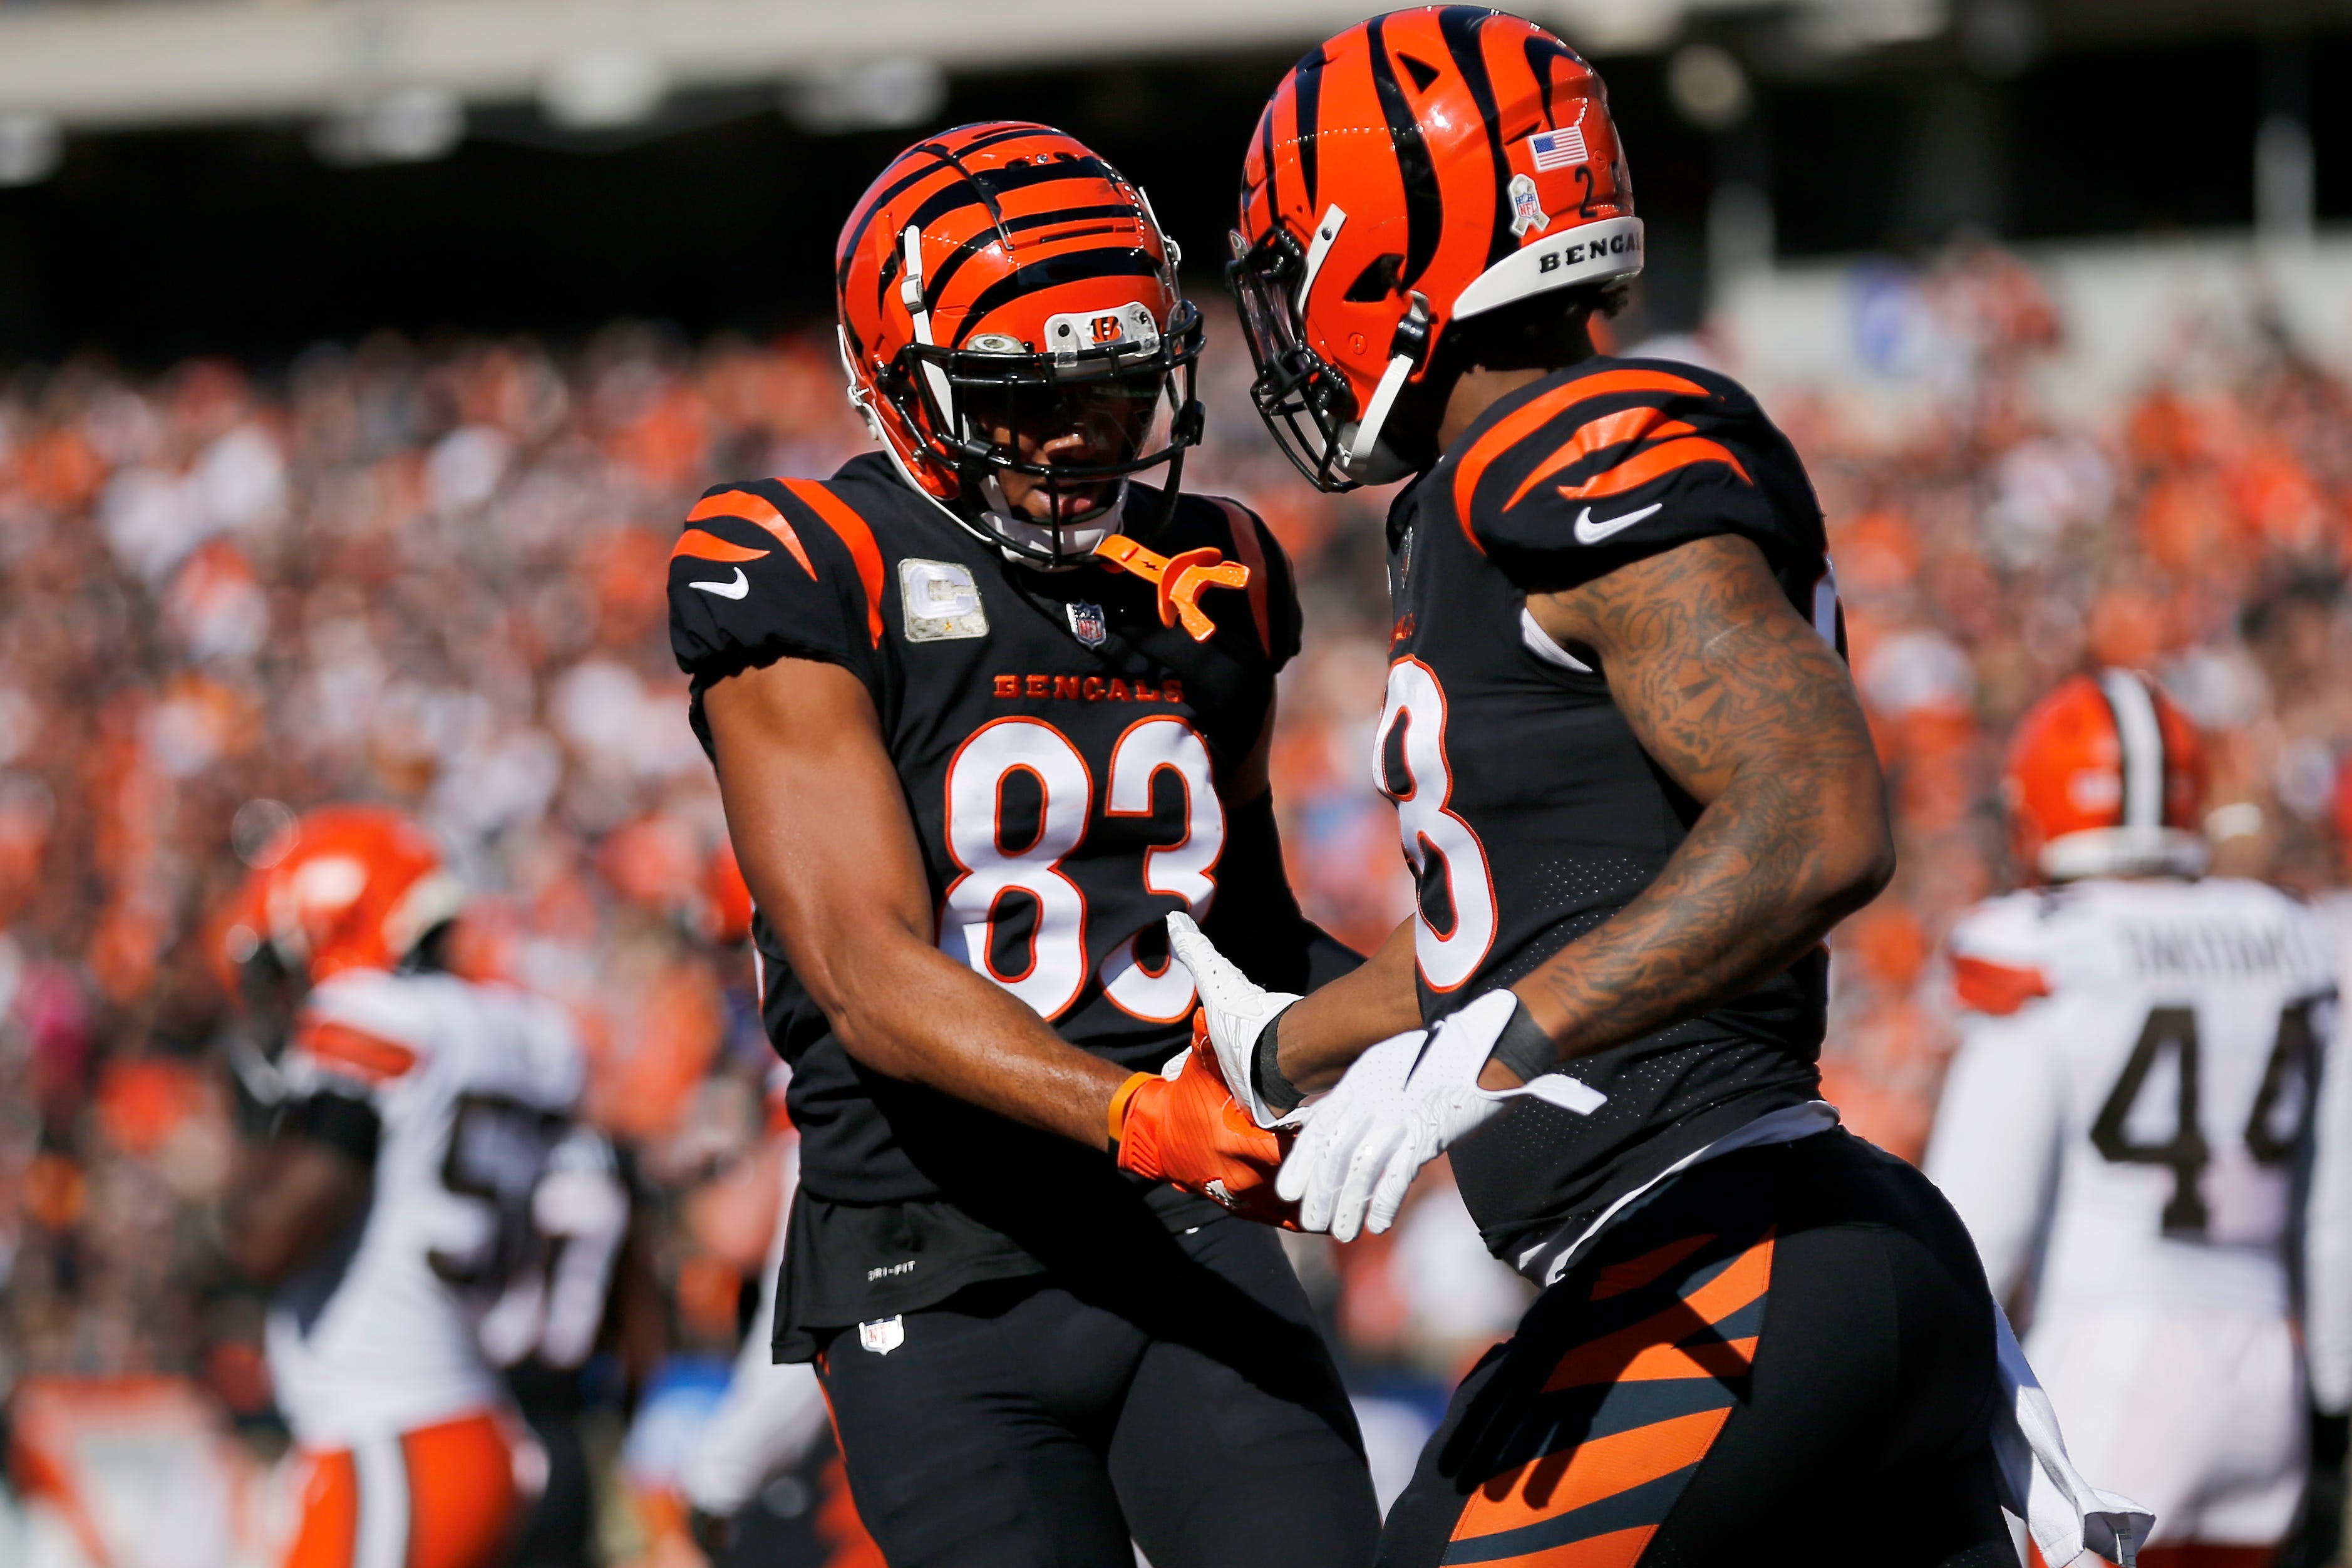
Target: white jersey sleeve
1998,1126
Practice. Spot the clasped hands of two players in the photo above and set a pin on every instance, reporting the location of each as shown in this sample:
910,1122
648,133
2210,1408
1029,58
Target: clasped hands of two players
1344,1164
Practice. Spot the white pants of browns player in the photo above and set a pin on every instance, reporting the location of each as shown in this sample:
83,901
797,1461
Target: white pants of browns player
2196,1412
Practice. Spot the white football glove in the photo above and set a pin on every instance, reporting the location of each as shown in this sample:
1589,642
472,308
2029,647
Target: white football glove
1237,1009
1402,1104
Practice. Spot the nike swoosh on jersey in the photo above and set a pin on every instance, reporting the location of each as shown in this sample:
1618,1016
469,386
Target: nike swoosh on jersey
1587,531
742,585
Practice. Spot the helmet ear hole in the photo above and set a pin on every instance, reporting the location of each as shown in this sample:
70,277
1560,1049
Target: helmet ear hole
1377,281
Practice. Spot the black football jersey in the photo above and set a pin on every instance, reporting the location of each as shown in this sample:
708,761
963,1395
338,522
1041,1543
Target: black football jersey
1061,753
1529,812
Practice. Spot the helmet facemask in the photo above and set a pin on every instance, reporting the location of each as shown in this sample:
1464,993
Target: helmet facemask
1305,401
997,409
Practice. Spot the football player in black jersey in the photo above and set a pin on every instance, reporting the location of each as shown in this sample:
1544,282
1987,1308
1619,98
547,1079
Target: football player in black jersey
1636,789
985,708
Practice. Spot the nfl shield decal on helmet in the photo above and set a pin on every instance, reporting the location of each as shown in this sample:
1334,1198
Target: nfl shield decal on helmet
1526,211
1087,624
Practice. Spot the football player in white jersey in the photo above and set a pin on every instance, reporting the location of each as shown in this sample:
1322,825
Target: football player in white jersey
409,1116
2130,1124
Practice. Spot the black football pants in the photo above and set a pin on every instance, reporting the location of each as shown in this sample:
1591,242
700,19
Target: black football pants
1178,1394
1785,1356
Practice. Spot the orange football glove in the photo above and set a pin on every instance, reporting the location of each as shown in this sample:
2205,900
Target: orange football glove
1189,1132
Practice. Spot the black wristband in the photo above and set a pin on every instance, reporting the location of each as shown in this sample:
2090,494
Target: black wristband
1281,1096
1524,1047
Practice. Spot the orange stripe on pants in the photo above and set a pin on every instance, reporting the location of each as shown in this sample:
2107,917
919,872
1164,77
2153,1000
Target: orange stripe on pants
330,1514
461,1501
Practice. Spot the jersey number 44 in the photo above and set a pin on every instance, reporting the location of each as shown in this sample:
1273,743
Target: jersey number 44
2293,1062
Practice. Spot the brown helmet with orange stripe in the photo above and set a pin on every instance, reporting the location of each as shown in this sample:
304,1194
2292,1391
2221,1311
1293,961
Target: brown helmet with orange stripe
2105,777
1421,169
1011,324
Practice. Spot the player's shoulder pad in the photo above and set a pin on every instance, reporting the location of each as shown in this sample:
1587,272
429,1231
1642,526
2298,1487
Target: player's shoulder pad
1614,460
774,567
1238,533
364,1027
2001,954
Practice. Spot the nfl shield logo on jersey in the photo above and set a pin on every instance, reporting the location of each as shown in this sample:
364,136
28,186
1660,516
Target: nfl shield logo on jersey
1087,624
883,1335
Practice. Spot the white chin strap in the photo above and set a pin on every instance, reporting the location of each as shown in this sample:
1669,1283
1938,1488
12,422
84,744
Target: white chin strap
1362,457
1076,541
1365,460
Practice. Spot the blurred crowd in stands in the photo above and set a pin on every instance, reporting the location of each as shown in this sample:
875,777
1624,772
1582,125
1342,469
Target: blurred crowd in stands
433,574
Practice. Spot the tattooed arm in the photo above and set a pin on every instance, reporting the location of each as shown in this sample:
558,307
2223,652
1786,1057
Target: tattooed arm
1738,698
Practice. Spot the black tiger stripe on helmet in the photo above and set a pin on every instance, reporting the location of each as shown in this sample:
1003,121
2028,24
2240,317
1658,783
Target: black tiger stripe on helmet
1006,267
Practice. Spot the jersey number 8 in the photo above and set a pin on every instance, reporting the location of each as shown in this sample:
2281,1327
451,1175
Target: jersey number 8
1449,864
1056,970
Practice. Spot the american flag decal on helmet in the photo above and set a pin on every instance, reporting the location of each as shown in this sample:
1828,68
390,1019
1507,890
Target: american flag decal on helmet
1558,149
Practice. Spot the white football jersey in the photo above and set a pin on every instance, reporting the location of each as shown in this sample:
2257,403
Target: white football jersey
473,1085
2134,1089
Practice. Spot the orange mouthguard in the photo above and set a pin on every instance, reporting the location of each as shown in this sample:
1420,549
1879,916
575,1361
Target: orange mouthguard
1181,579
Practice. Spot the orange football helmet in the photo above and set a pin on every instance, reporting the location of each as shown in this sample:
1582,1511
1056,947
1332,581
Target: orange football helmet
2105,777
352,887
1419,169
1000,277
